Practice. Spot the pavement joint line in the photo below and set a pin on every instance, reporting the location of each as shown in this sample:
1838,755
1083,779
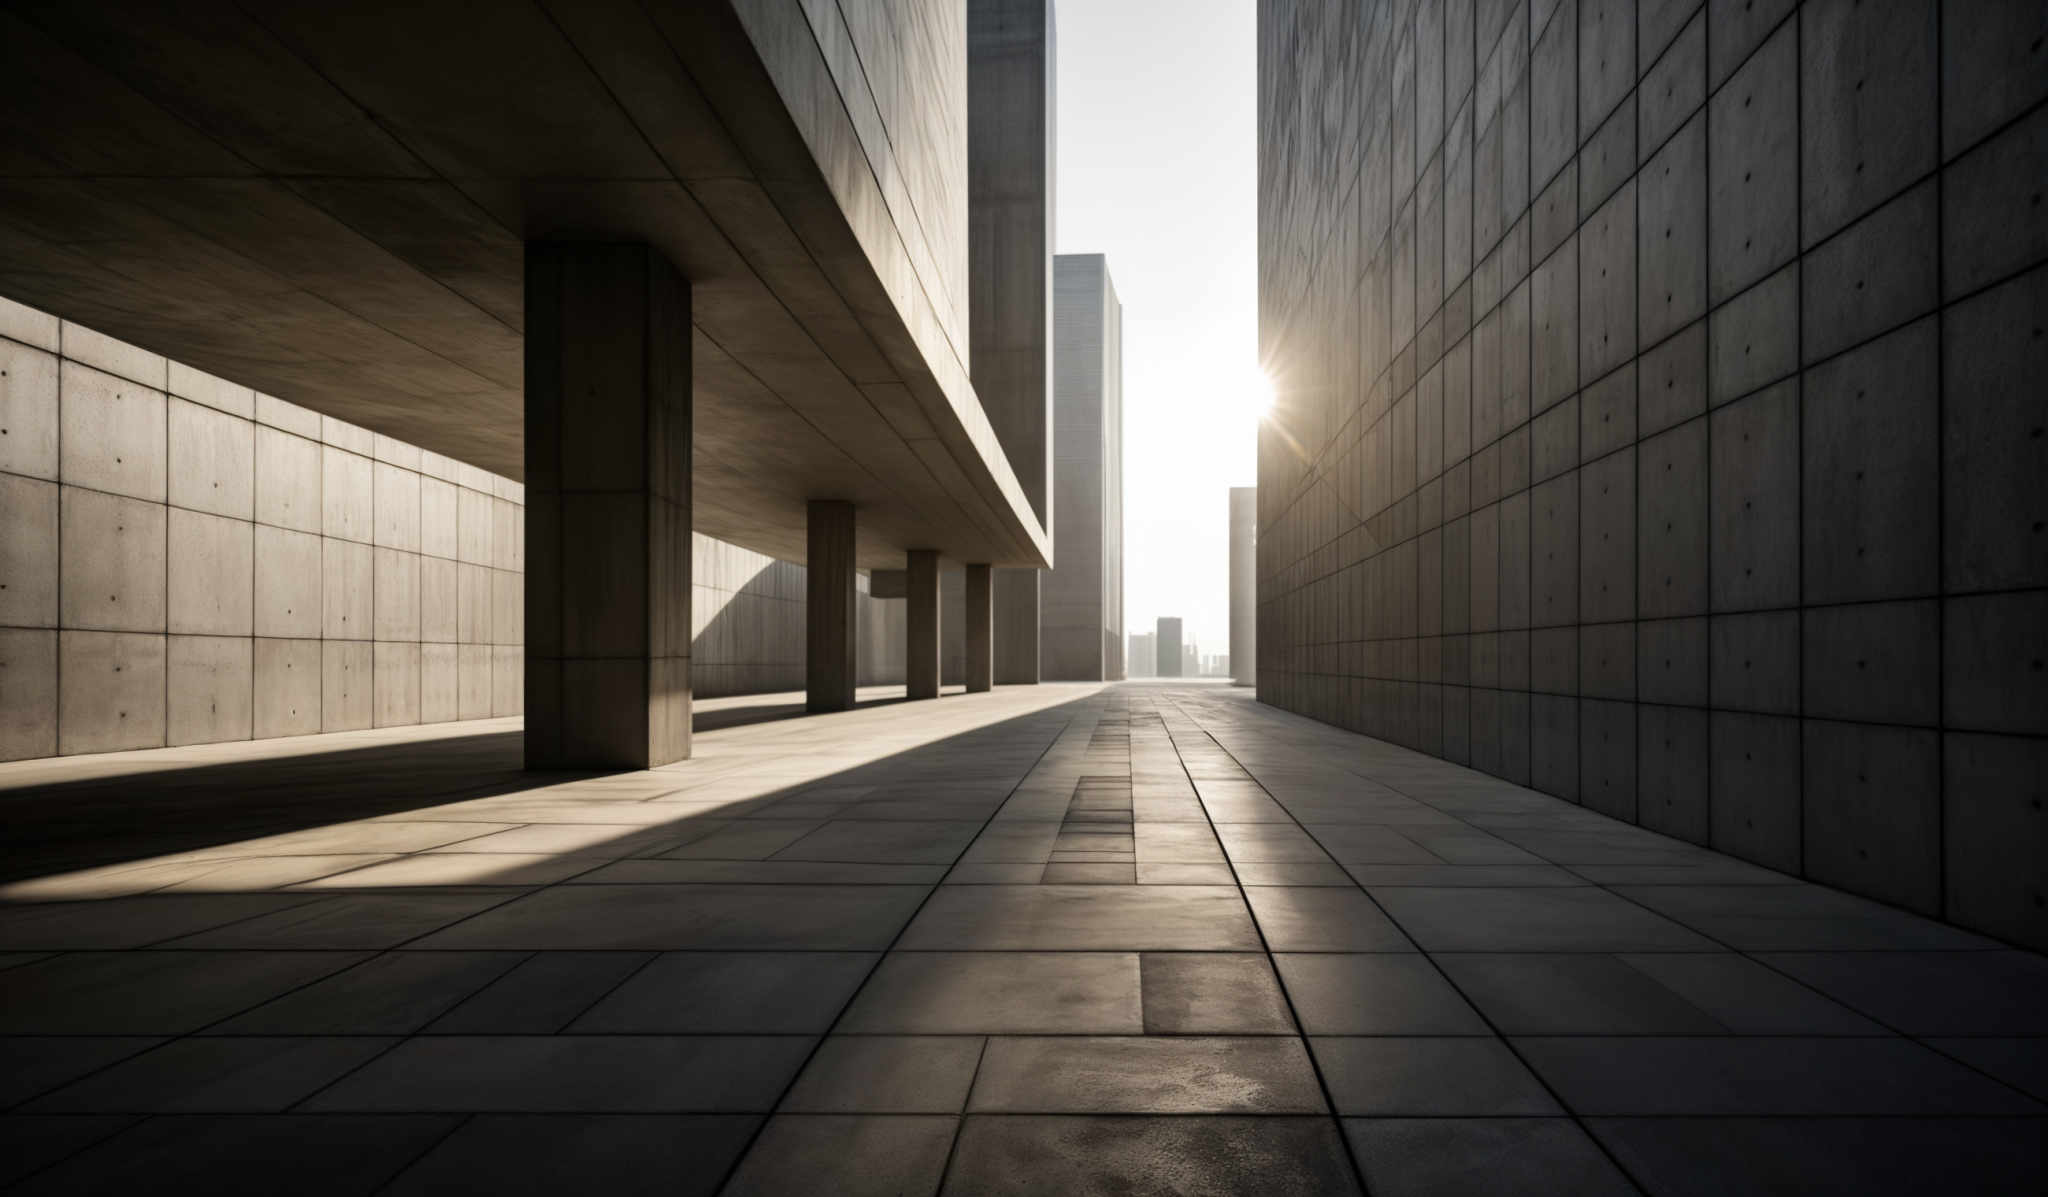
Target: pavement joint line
1501,1038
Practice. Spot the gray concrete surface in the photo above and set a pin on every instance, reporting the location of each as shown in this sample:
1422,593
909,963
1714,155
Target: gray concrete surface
1081,616
1244,584
1659,419
921,624
1167,649
191,563
831,645
1061,938
608,452
1017,614
1011,136
1144,654
978,629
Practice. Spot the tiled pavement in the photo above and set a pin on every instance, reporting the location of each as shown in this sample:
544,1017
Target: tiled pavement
1062,939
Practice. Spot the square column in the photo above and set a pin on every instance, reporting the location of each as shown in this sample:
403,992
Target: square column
607,507
921,624
1244,584
1016,627
981,662
829,630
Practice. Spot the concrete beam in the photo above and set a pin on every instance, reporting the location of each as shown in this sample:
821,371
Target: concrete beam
347,224
921,621
980,628
830,665
608,507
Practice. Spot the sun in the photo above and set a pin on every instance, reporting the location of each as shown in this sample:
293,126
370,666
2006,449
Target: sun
1259,395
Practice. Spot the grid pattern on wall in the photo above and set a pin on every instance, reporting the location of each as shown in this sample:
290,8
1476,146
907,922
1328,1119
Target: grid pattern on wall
185,561
1661,417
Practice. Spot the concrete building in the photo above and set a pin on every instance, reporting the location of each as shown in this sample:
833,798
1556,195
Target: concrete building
1167,648
391,368
1660,418
1082,625
825,324
1144,655
1244,587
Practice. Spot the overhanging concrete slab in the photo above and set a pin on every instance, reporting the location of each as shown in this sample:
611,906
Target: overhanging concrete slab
329,203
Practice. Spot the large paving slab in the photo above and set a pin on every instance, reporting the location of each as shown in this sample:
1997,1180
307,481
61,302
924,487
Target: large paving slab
1054,939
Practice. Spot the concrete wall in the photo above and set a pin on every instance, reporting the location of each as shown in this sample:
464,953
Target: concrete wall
748,614
900,69
183,560
747,621
1244,587
1661,417
1081,616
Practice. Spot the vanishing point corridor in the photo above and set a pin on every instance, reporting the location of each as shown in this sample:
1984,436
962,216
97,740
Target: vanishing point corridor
1057,939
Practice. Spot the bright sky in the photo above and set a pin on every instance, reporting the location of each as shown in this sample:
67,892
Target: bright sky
1157,169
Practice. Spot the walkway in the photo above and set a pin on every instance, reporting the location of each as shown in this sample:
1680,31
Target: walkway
1057,939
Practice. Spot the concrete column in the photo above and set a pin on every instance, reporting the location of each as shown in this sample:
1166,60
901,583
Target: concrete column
829,631
1016,627
1244,587
608,507
980,627
921,624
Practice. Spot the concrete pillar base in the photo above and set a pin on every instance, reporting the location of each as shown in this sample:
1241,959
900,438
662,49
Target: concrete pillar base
829,630
607,507
921,625
980,626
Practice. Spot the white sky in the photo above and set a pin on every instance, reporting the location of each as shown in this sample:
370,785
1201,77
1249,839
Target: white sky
1157,130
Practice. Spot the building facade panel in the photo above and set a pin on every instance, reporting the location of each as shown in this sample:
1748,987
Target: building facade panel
1662,372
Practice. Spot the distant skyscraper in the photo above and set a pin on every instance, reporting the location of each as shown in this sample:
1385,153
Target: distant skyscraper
1169,647
1082,597
1244,587
1144,659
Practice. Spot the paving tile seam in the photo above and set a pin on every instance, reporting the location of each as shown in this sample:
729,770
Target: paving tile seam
170,1037
1722,945
200,1032
1924,1042
753,1140
1548,1087
482,985
91,1144
1287,995
1727,947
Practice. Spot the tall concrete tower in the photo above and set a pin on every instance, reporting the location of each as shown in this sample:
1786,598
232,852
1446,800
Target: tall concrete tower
1167,645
